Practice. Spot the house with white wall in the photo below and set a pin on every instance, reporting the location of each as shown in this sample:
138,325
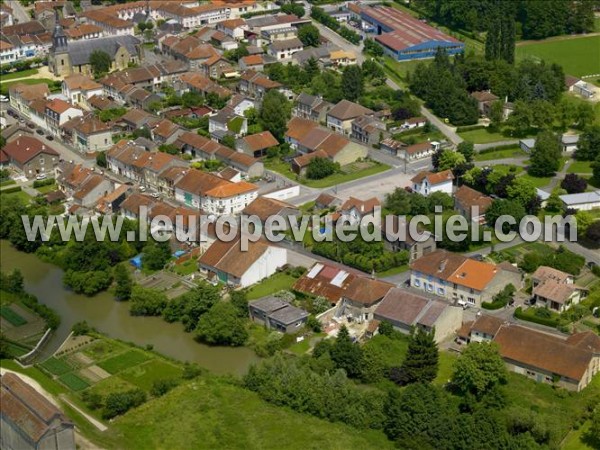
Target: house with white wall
425,183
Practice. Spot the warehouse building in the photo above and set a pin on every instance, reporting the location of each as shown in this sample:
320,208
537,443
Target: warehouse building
405,37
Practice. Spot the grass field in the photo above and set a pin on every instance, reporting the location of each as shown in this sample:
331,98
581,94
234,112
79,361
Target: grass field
186,268
123,361
275,283
21,195
580,167
46,189
21,74
578,56
56,366
482,136
12,317
538,182
216,414
512,152
73,382
144,375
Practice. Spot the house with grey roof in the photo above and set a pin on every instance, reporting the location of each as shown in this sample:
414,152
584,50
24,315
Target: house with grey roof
311,107
584,201
274,313
406,311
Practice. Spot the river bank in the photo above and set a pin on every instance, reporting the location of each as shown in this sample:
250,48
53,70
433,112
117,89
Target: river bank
108,316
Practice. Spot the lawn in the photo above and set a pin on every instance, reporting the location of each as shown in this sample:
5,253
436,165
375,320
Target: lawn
144,375
344,177
7,183
22,195
512,152
73,382
580,167
21,74
216,414
186,268
101,349
418,135
123,361
275,283
482,136
393,271
578,56
12,317
45,189
538,182
56,366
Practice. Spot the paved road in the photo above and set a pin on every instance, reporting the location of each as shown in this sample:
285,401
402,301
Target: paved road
19,13
479,147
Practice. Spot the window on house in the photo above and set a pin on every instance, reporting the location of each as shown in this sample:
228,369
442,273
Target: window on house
417,283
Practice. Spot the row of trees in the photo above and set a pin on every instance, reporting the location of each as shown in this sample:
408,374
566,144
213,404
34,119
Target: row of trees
532,19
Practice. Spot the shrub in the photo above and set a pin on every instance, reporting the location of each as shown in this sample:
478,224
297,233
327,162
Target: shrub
46,182
161,387
533,317
119,403
11,190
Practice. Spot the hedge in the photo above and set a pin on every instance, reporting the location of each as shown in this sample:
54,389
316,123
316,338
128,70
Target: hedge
493,305
11,190
40,183
469,128
549,322
500,147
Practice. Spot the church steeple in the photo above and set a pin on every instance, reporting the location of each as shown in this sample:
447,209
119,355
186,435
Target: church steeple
59,38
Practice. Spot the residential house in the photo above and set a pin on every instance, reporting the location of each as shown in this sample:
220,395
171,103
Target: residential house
233,27
527,145
264,207
355,210
485,100
256,84
342,58
30,156
341,116
135,119
407,311
297,129
227,122
368,130
311,107
256,145
321,54
137,206
21,95
93,188
568,363
29,420
471,204
338,148
361,299
58,112
79,88
216,67
413,122
282,50
584,201
325,280
88,133
415,152
397,237
276,314
227,263
425,183
252,62
165,181
554,289
483,329
326,201
213,194
460,279
165,132
111,25
279,34
569,142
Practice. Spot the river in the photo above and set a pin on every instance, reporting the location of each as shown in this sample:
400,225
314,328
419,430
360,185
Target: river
108,316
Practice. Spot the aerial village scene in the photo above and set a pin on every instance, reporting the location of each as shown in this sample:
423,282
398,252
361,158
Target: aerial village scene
293,224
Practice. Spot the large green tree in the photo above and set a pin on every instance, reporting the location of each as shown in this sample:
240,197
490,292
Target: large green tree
352,83
309,35
422,358
588,147
124,283
346,354
221,325
479,369
546,155
100,62
275,112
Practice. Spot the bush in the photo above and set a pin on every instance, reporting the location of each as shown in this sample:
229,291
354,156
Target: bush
46,182
161,387
319,168
92,400
119,403
470,128
534,317
11,190
81,328
88,283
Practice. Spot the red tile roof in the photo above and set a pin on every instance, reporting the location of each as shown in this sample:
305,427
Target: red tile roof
25,148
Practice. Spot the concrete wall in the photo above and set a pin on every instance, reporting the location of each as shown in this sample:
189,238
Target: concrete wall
265,266
350,153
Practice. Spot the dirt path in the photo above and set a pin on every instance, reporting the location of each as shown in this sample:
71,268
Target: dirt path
43,72
89,418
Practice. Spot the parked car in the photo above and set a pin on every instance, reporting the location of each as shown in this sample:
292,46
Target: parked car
49,137
3,98
40,176
39,131
30,125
